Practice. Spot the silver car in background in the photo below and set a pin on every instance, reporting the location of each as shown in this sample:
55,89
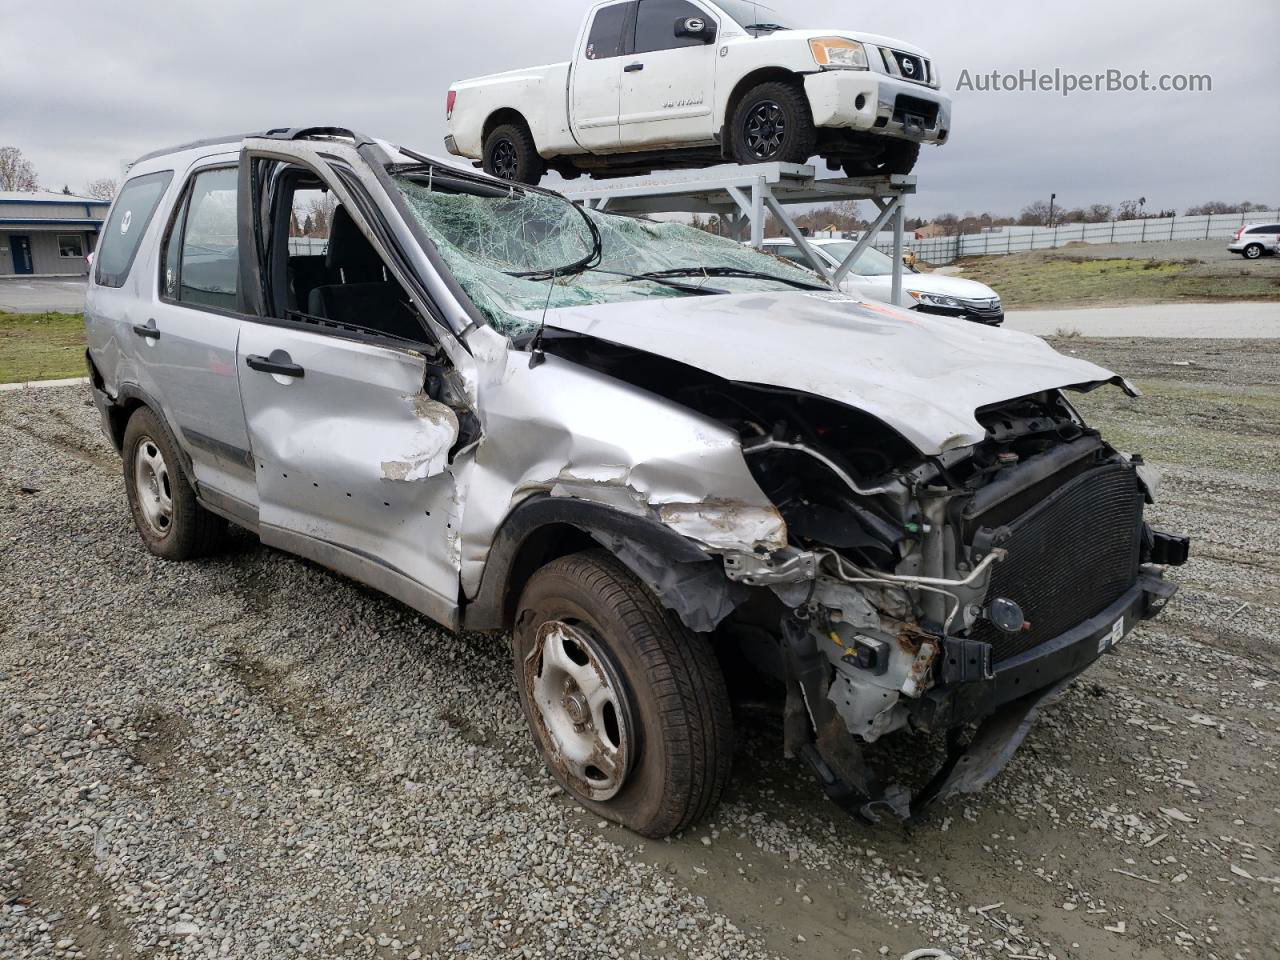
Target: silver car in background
659,459
1256,239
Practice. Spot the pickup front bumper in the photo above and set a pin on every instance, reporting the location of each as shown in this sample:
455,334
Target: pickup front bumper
869,102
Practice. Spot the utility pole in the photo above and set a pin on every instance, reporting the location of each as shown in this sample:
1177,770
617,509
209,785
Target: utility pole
1052,198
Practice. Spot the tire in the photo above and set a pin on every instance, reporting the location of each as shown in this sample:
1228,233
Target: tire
510,154
897,157
773,123
1253,251
664,759
172,524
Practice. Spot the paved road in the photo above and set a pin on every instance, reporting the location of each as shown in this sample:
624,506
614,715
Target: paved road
1181,320
39,296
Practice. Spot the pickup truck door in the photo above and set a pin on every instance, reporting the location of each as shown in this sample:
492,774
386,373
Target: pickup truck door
597,75
668,82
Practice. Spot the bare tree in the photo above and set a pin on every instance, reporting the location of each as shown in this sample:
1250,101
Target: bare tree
321,210
1034,214
16,171
104,188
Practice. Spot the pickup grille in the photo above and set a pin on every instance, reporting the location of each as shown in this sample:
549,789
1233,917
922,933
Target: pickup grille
908,66
1070,557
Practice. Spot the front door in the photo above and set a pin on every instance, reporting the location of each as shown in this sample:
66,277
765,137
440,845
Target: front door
21,247
597,73
668,83
352,461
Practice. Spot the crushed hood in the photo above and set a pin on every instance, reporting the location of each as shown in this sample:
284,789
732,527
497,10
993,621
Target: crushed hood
923,376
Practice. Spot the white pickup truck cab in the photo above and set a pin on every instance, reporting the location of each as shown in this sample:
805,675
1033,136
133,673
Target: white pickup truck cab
692,83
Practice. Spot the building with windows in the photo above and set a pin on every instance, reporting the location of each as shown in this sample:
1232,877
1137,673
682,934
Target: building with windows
48,234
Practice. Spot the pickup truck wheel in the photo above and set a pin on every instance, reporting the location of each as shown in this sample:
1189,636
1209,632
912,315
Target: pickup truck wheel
897,157
172,524
773,122
510,154
1253,251
628,708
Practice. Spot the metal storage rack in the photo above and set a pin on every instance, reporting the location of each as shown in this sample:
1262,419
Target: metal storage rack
744,195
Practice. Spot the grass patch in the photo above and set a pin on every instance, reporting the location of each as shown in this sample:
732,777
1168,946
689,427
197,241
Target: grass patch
1042,279
41,346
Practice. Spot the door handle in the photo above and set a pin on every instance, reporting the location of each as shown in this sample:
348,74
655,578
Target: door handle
147,330
283,367
633,68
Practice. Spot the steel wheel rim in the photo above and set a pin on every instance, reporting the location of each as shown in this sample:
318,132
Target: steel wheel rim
580,713
505,162
765,129
151,483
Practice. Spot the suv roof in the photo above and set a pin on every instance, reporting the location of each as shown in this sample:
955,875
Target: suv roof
275,133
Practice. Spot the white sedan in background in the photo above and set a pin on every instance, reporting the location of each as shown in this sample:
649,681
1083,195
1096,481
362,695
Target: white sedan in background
872,278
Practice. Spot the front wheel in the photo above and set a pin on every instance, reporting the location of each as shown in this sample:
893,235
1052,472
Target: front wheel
1253,251
773,122
628,708
511,154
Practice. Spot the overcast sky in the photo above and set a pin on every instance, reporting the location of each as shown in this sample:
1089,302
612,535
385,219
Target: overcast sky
97,84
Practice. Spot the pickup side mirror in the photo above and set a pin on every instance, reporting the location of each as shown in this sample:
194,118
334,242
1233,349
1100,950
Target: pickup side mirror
696,28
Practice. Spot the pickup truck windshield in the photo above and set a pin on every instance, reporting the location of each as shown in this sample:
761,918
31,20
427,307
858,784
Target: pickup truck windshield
504,245
755,16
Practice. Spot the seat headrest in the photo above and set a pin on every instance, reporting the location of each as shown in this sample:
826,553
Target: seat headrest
350,250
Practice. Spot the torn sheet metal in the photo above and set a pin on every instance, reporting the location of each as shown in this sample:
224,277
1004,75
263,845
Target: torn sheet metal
427,447
725,525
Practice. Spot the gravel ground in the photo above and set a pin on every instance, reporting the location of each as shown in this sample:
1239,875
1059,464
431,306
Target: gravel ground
250,757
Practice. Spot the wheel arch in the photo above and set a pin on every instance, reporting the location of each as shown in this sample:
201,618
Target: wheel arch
545,528
504,115
744,86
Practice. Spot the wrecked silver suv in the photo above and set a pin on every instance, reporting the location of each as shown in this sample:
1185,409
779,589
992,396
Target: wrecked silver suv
656,457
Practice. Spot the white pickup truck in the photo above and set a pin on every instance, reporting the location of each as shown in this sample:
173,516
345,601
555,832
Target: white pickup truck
692,83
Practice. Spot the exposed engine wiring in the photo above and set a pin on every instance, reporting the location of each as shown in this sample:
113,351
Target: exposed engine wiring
821,458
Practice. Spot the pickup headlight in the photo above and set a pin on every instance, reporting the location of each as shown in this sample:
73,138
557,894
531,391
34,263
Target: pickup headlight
934,299
837,53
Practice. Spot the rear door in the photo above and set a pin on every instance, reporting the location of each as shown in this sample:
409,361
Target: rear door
188,340
597,73
668,81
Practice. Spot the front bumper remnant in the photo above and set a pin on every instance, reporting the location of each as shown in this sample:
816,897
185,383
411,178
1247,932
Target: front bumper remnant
1005,703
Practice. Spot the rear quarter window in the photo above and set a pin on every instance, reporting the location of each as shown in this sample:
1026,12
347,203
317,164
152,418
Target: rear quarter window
127,225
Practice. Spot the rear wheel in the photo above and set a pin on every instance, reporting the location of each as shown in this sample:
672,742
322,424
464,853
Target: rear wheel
1253,251
510,154
896,157
628,708
773,122
172,524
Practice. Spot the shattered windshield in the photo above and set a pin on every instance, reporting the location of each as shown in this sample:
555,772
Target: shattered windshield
515,251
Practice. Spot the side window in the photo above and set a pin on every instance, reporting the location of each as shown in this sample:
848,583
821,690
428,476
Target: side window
202,252
656,25
129,220
605,39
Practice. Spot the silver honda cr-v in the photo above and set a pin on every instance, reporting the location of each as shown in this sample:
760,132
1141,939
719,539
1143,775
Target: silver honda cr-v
649,453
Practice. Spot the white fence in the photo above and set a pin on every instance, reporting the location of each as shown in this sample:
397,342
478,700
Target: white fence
308,246
998,242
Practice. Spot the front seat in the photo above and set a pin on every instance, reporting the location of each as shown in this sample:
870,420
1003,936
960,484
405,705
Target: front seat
367,297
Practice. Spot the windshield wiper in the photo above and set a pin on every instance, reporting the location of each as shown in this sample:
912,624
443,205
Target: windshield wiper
767,27
666,282
728,272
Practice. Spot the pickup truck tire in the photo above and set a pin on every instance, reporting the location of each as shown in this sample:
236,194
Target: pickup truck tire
510,154
628,707
172,524
897,157
773,123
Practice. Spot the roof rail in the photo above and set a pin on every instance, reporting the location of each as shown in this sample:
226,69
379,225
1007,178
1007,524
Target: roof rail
275,133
